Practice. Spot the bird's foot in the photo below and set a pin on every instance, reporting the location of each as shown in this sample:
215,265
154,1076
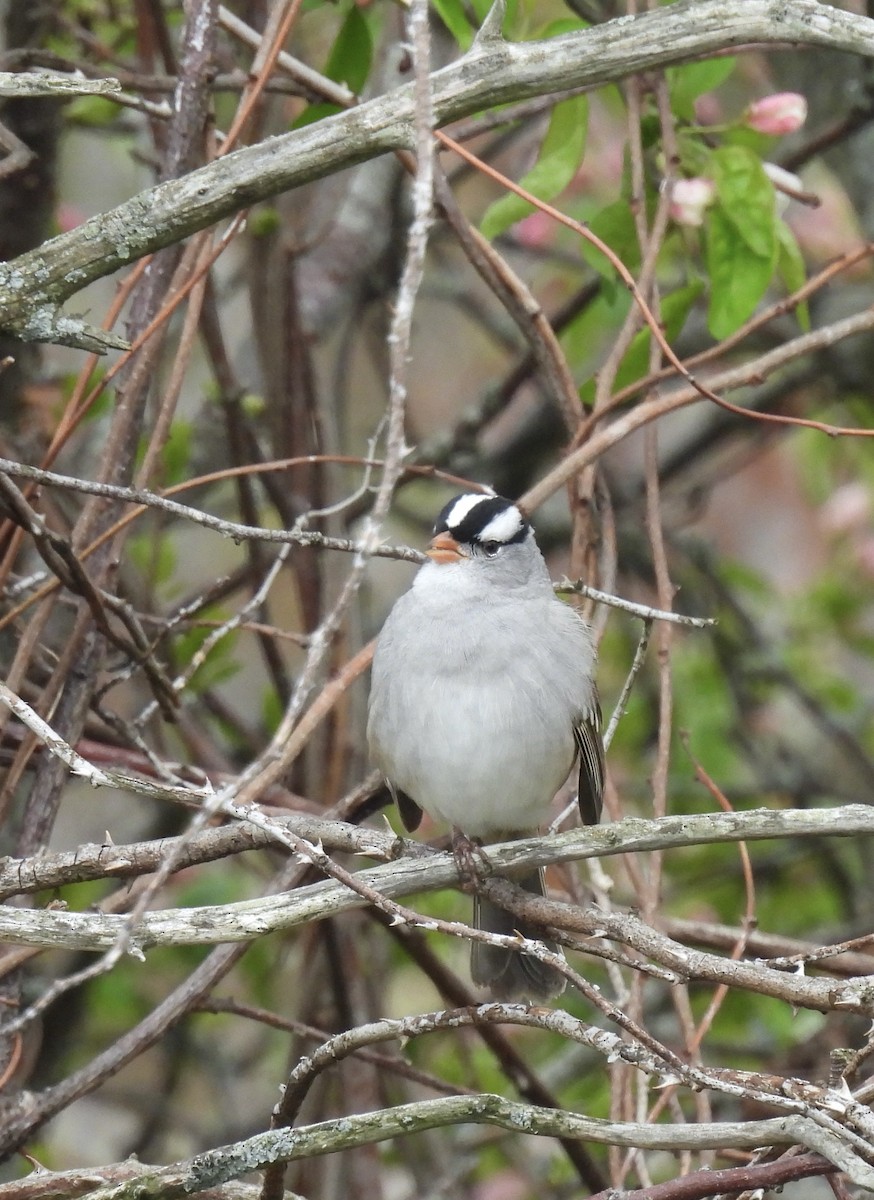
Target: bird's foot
471,859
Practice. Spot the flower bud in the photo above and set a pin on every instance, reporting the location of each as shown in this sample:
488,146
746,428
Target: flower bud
784,112
689,198
535,231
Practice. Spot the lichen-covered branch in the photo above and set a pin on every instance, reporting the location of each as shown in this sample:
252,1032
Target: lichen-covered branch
286,1145
34,285
423,872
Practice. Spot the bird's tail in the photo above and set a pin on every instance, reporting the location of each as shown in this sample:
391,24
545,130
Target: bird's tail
508,974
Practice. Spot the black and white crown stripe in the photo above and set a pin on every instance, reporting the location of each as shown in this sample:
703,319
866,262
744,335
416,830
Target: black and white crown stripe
472,518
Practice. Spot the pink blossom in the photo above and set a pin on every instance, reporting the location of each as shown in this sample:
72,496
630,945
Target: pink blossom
689,198
783,112
69,216
536,230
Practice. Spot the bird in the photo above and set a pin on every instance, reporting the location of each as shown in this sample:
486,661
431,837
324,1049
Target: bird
482,701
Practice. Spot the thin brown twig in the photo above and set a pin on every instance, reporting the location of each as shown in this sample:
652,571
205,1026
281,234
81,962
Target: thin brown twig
730,1180
594,444
630,282
810,287
280,25
395,1065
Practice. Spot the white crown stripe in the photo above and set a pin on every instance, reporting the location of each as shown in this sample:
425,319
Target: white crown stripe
503,527
461,508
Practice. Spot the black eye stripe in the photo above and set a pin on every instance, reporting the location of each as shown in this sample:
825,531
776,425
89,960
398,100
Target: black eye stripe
477,519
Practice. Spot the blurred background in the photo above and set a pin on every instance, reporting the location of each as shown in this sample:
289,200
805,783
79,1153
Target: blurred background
278,355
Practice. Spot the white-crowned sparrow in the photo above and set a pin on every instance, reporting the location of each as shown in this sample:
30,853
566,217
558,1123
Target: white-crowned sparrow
482,700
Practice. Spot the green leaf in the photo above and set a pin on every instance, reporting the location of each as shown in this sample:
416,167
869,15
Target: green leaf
313,113
688,82
352,52
513,19
791,268
481,8
741,238
615,226
751,139
675,308
586,338
739,277
674,311
559,159
746,196
695,156
349,62
453,16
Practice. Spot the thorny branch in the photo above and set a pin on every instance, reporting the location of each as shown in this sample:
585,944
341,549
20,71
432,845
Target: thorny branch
240,922
306,751
212,1168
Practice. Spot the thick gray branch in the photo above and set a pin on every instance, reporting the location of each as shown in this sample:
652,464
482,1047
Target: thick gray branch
47,83
425,872
494,72
285,1145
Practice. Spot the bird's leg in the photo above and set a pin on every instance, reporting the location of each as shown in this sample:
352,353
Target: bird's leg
471,859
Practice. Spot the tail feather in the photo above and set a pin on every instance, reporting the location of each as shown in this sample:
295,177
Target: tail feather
508,974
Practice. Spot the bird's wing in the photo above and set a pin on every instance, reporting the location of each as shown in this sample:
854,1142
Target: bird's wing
587,735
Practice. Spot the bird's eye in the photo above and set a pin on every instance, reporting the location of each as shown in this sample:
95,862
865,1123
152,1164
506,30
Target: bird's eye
490,549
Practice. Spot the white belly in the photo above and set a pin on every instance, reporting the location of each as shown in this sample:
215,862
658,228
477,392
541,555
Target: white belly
474,744
493,772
